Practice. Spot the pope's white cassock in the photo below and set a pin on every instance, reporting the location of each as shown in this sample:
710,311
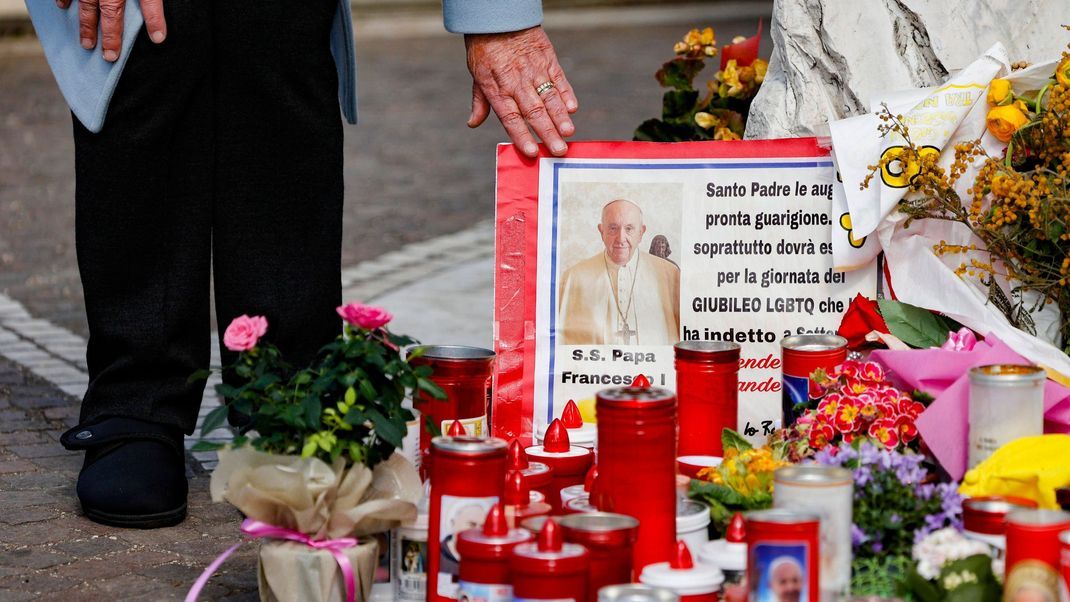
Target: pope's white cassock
602,303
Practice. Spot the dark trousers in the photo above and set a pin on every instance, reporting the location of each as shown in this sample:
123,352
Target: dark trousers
221,154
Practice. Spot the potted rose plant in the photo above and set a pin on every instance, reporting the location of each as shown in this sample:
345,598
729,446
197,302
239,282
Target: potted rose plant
314,466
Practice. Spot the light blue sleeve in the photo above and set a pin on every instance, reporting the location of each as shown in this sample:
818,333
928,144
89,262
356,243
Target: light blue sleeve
491,16
86,80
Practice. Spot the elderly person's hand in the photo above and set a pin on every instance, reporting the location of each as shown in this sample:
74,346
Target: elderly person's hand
517,74
109,14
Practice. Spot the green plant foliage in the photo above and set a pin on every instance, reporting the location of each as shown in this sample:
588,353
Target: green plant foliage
348,402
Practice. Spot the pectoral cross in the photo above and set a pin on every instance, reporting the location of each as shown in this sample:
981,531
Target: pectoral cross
626,333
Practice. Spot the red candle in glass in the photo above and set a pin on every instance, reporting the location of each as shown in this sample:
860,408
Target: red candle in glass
538,476
609,538
550,569
569,462
485,554
707,391
517,502
466,376
467,474
637,465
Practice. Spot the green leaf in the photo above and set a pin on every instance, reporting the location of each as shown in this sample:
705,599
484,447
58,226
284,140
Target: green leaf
227,391
309,449
678,104
923,589
202,446
732,440
199,375
313,407
656,130
386,429
355,417
679,73
431,389
367,390
214,420
917,327
351,396
303,378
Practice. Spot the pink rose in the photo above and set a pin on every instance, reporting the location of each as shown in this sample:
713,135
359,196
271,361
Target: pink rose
963,340
244,332
364,316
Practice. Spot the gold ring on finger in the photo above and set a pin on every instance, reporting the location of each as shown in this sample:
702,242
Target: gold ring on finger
543,87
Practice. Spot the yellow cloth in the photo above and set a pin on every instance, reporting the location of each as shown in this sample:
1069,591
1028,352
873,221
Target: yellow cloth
588,310
1030,467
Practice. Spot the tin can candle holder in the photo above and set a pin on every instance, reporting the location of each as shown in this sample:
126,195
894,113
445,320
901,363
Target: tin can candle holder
549,569
517,500
535,523
707,394
635,592
609,538
1033,553
693,582
485,572
466,375
801,355
637,471
783,555
467,478
984,519
1006,403
568,462
829,492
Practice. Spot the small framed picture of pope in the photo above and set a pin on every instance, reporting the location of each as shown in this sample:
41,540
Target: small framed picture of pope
619,274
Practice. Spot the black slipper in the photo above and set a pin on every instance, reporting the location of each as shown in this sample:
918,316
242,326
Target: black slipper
134,473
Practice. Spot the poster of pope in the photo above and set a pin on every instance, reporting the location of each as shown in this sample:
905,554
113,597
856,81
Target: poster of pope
626,293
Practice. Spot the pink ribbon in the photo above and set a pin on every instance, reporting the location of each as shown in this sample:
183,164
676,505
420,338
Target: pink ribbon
257,529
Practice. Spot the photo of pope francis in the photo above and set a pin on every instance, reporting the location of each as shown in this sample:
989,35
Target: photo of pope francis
621,295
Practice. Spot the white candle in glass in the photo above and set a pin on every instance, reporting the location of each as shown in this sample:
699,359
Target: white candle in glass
829,492
1006,403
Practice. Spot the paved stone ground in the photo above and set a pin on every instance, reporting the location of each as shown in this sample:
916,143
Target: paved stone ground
49,551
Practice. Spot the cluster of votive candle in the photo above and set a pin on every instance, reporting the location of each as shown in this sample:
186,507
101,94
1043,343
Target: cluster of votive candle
560,527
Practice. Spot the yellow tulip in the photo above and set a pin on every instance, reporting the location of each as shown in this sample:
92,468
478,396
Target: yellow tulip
1004,121
998,92
1062,72
706,120
730,77
723,133
706,38
693,37
760,67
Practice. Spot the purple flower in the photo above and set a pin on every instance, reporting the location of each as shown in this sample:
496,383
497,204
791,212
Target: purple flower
877,547
863,475
858,536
